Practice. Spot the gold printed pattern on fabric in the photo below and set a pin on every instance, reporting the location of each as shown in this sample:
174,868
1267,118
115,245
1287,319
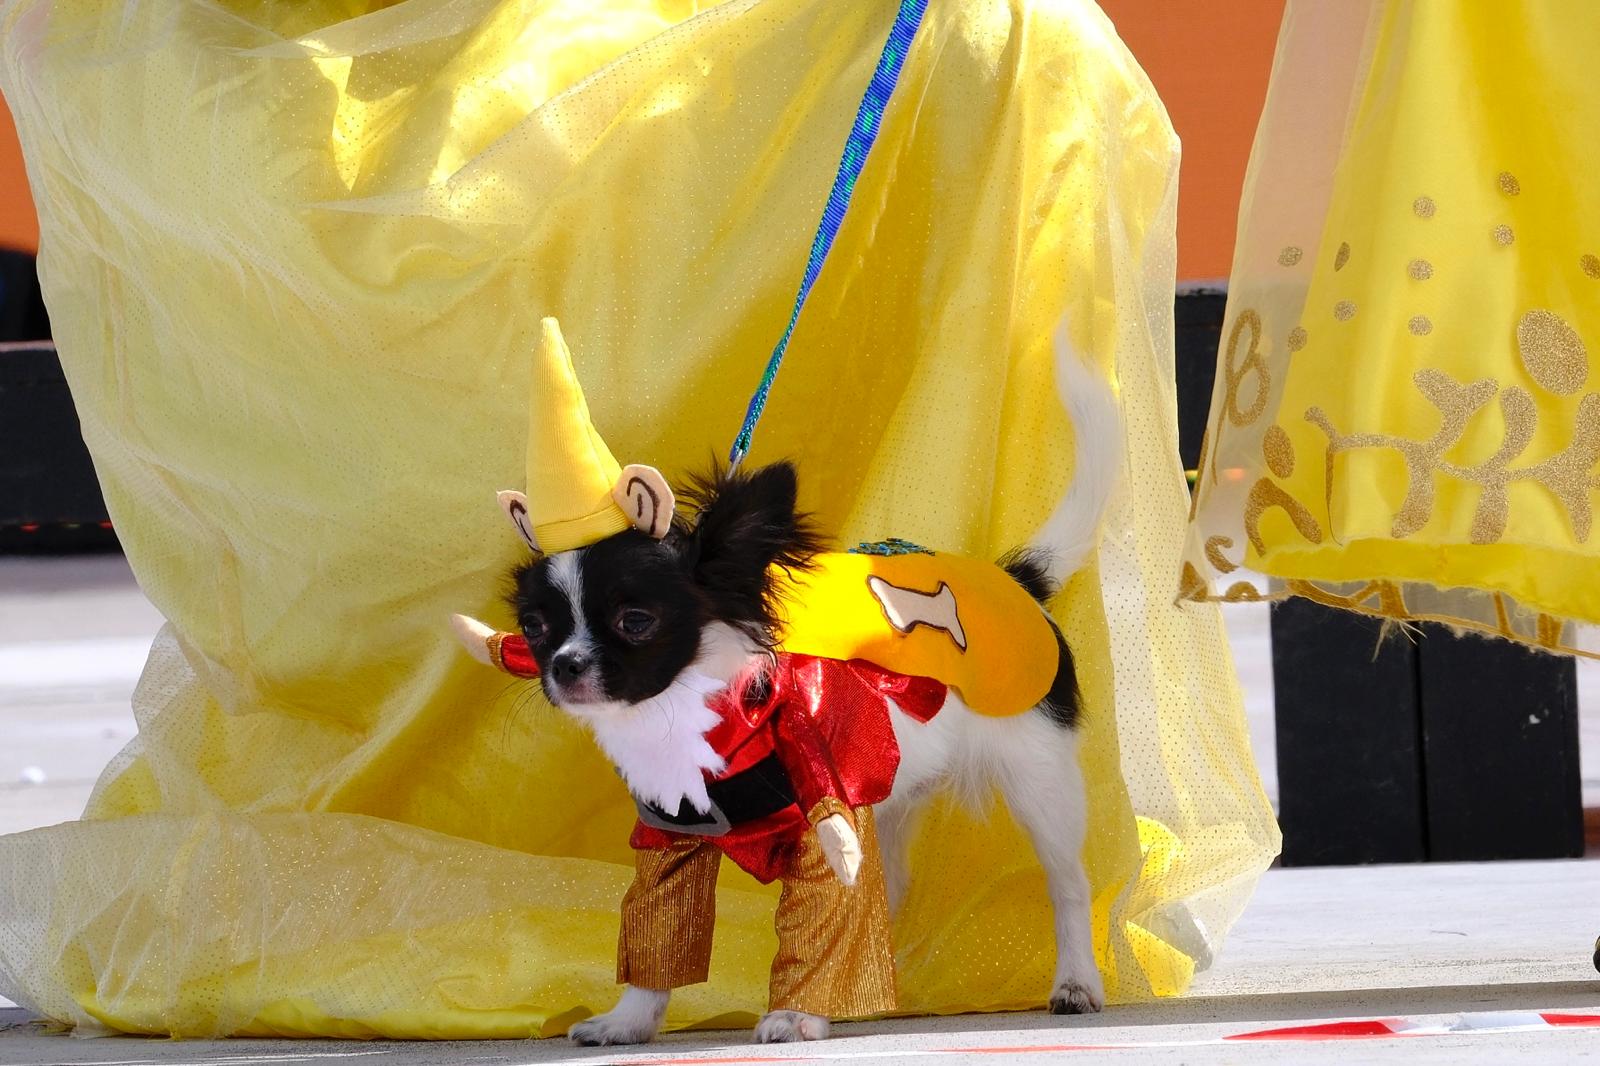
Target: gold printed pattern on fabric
1236,370
1279,451
1289,256
1252,366
1191,586
1214,556
1440,422
1552,351
1265,495
1456,404
1566,475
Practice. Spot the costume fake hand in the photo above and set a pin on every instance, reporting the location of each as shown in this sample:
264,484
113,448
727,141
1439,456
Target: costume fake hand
841,847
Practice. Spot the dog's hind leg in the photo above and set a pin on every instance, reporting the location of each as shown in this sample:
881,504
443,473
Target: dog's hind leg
1038,772
896,818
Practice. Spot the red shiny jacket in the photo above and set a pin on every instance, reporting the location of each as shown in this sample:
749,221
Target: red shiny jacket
811,738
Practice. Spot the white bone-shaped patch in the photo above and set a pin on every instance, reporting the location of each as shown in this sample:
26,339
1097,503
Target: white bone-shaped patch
906,609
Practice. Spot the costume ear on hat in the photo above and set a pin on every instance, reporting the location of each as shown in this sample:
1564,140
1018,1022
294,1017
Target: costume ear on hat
515,505
577,493
646,499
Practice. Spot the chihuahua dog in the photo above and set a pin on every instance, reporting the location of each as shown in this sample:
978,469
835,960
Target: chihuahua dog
636,633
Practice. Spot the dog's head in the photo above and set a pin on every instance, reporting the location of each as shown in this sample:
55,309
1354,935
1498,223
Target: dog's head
617,622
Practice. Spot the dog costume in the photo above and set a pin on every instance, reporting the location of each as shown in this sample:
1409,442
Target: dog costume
808,738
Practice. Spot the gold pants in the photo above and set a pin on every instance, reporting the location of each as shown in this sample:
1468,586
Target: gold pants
835,950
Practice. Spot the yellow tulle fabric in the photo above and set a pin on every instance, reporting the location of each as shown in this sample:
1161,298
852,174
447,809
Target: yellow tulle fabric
297,255
1406,419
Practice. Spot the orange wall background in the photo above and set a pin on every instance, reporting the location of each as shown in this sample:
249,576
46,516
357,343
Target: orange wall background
1209,61
19,226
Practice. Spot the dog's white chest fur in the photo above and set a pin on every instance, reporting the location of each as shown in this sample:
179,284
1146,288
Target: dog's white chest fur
659,745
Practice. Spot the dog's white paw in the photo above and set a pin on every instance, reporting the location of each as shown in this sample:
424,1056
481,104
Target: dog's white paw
636,1019
789,1027
1078,997
607,1029
603,1030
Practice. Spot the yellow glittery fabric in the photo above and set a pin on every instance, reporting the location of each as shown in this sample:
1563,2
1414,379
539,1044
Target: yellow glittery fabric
1406,419
296,256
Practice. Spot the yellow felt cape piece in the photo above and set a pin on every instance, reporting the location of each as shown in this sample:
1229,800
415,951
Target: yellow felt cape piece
297,256
1406,418
994,645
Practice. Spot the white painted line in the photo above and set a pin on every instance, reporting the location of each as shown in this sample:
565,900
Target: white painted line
74,663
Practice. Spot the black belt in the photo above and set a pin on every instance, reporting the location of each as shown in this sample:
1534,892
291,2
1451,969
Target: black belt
747,796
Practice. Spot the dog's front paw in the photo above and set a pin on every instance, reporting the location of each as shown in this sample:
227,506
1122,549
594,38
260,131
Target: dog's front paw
604,1030
1078,997
789,1027
636,1019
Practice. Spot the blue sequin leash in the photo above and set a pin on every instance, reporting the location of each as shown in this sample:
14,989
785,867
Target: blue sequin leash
862,134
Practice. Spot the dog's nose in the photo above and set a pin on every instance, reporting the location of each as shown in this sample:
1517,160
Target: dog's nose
569,664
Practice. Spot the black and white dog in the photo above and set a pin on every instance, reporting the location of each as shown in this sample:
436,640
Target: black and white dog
632,633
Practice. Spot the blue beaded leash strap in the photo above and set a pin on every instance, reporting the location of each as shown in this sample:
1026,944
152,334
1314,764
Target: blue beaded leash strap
862,134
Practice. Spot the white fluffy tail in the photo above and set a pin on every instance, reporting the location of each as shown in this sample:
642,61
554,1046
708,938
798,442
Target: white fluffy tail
1070,535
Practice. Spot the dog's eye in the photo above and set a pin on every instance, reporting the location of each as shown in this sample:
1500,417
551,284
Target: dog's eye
535,628
635,624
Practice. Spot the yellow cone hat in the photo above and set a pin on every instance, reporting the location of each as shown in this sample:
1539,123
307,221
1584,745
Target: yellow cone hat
571,472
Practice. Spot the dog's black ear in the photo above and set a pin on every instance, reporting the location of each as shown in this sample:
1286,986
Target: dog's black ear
747,524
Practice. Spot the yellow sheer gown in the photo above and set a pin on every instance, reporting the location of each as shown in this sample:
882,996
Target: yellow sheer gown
1407,416
297,254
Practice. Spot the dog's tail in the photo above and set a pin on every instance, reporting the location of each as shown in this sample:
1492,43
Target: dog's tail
1069,536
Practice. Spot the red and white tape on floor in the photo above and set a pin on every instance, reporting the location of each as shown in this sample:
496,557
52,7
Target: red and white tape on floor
1364,1029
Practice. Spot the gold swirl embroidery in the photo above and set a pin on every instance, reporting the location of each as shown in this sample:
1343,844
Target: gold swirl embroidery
1235,371
1344,310
1264,496
1503,234
1552,351
1219,562
1590,265
1289,256
1297,339
1420,325
1424,207
1342,256
1508,183
1278,450
1419,269
1456,404
1565,475
1390,601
